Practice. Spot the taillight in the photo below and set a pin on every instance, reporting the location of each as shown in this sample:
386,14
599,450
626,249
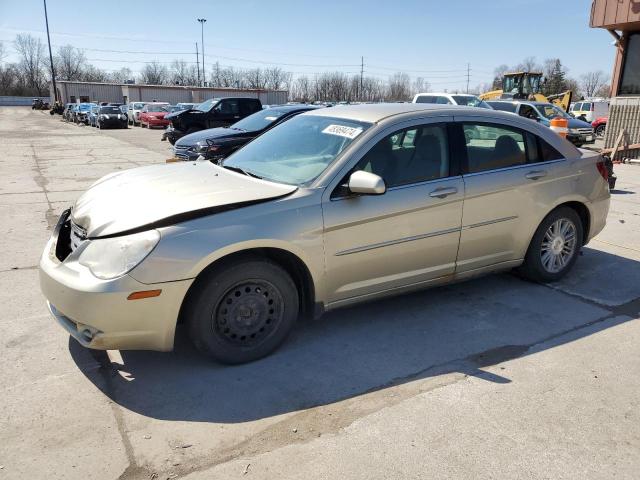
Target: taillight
602,169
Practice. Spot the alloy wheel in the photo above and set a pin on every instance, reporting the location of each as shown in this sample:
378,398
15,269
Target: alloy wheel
558,245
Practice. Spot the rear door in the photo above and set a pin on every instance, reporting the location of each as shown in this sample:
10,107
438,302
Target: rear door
511,177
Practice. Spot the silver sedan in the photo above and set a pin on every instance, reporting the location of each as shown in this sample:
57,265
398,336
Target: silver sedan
334,207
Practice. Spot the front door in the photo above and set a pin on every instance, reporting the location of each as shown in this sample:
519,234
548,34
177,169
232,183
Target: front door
405,236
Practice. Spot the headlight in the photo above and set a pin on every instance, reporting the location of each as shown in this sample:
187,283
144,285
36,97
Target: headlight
109,258
574,131
102,117
201,148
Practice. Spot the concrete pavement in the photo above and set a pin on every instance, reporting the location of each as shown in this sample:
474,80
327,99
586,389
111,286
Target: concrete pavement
493,378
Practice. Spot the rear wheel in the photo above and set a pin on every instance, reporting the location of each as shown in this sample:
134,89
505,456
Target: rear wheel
554,247
600,130
243,311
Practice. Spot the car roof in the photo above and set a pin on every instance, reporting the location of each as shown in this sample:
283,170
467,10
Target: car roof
294,108
376,112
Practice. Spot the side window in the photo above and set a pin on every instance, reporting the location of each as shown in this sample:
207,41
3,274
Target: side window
443,101
426,99
490,147
229,107
412,155
577,107
527,111
546,152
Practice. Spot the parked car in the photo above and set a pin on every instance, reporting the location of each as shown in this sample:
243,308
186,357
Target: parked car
589,110
178,107
152,115
134,109
600,126
333,207
580,133
81,111
216,112
218,143
67,114
111,116
463,99
92,116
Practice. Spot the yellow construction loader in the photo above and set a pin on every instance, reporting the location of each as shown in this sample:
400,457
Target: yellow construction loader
526,86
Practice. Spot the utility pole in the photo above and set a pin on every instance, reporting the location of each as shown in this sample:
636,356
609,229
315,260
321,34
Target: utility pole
468,70
198,63
204,77
361,77
53,72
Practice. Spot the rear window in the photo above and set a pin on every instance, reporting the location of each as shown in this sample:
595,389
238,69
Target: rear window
503,106
586,106
108,110
426,99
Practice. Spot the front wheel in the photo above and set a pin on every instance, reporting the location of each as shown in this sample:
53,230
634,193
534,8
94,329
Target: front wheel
554,247
600,131
242,311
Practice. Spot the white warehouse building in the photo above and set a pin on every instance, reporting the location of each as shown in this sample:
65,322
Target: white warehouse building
72,92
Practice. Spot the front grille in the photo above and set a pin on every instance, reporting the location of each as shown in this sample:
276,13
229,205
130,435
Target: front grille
585,131
76,236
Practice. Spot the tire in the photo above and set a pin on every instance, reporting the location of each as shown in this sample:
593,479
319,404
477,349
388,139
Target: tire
242,311
600,131
562,247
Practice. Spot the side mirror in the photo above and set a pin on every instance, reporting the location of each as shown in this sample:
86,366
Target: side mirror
366,183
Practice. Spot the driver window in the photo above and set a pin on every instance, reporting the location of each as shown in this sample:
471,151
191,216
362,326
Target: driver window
411,155
528,111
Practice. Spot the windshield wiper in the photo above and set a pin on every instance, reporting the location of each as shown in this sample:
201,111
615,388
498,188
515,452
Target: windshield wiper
240,170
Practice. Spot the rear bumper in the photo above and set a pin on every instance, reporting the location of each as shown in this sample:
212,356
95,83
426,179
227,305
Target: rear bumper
97,312
598,211
157,122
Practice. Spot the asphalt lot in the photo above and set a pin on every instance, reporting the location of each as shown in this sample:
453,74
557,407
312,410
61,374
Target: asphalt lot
492,378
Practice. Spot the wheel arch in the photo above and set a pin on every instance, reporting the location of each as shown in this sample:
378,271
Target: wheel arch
290,262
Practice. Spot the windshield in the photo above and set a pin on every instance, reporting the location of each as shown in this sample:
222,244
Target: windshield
298,150
138,106
551,111
206,106
259,120
158,108
470,101
112,110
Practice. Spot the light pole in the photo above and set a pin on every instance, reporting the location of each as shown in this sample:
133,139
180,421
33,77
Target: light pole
204,78
53,72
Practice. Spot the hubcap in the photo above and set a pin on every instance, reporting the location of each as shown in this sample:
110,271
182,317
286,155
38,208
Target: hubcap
248,312
558,245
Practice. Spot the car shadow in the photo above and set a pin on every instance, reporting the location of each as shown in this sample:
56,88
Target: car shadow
621,192
349,352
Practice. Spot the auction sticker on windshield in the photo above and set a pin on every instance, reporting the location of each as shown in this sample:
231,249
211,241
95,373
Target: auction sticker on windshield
343,131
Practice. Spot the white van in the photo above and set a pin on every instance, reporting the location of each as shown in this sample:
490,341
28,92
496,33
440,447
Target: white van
464,99
589,110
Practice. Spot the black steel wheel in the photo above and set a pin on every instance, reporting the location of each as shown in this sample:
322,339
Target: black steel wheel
600,130
242,311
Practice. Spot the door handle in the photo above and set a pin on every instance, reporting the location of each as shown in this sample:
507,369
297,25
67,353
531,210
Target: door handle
443,192
535,175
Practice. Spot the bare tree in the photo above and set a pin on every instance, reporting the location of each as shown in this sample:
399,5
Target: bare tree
121,76
154,73
31,52
420,85
399,87
70,63
603,91
94,74
3,52
529,64
498,73
592,82
256,78
276,78
183,73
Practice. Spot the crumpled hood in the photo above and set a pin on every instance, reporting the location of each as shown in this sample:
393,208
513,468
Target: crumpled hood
164,194
209,134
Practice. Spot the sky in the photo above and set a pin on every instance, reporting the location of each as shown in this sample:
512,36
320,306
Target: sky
432,39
